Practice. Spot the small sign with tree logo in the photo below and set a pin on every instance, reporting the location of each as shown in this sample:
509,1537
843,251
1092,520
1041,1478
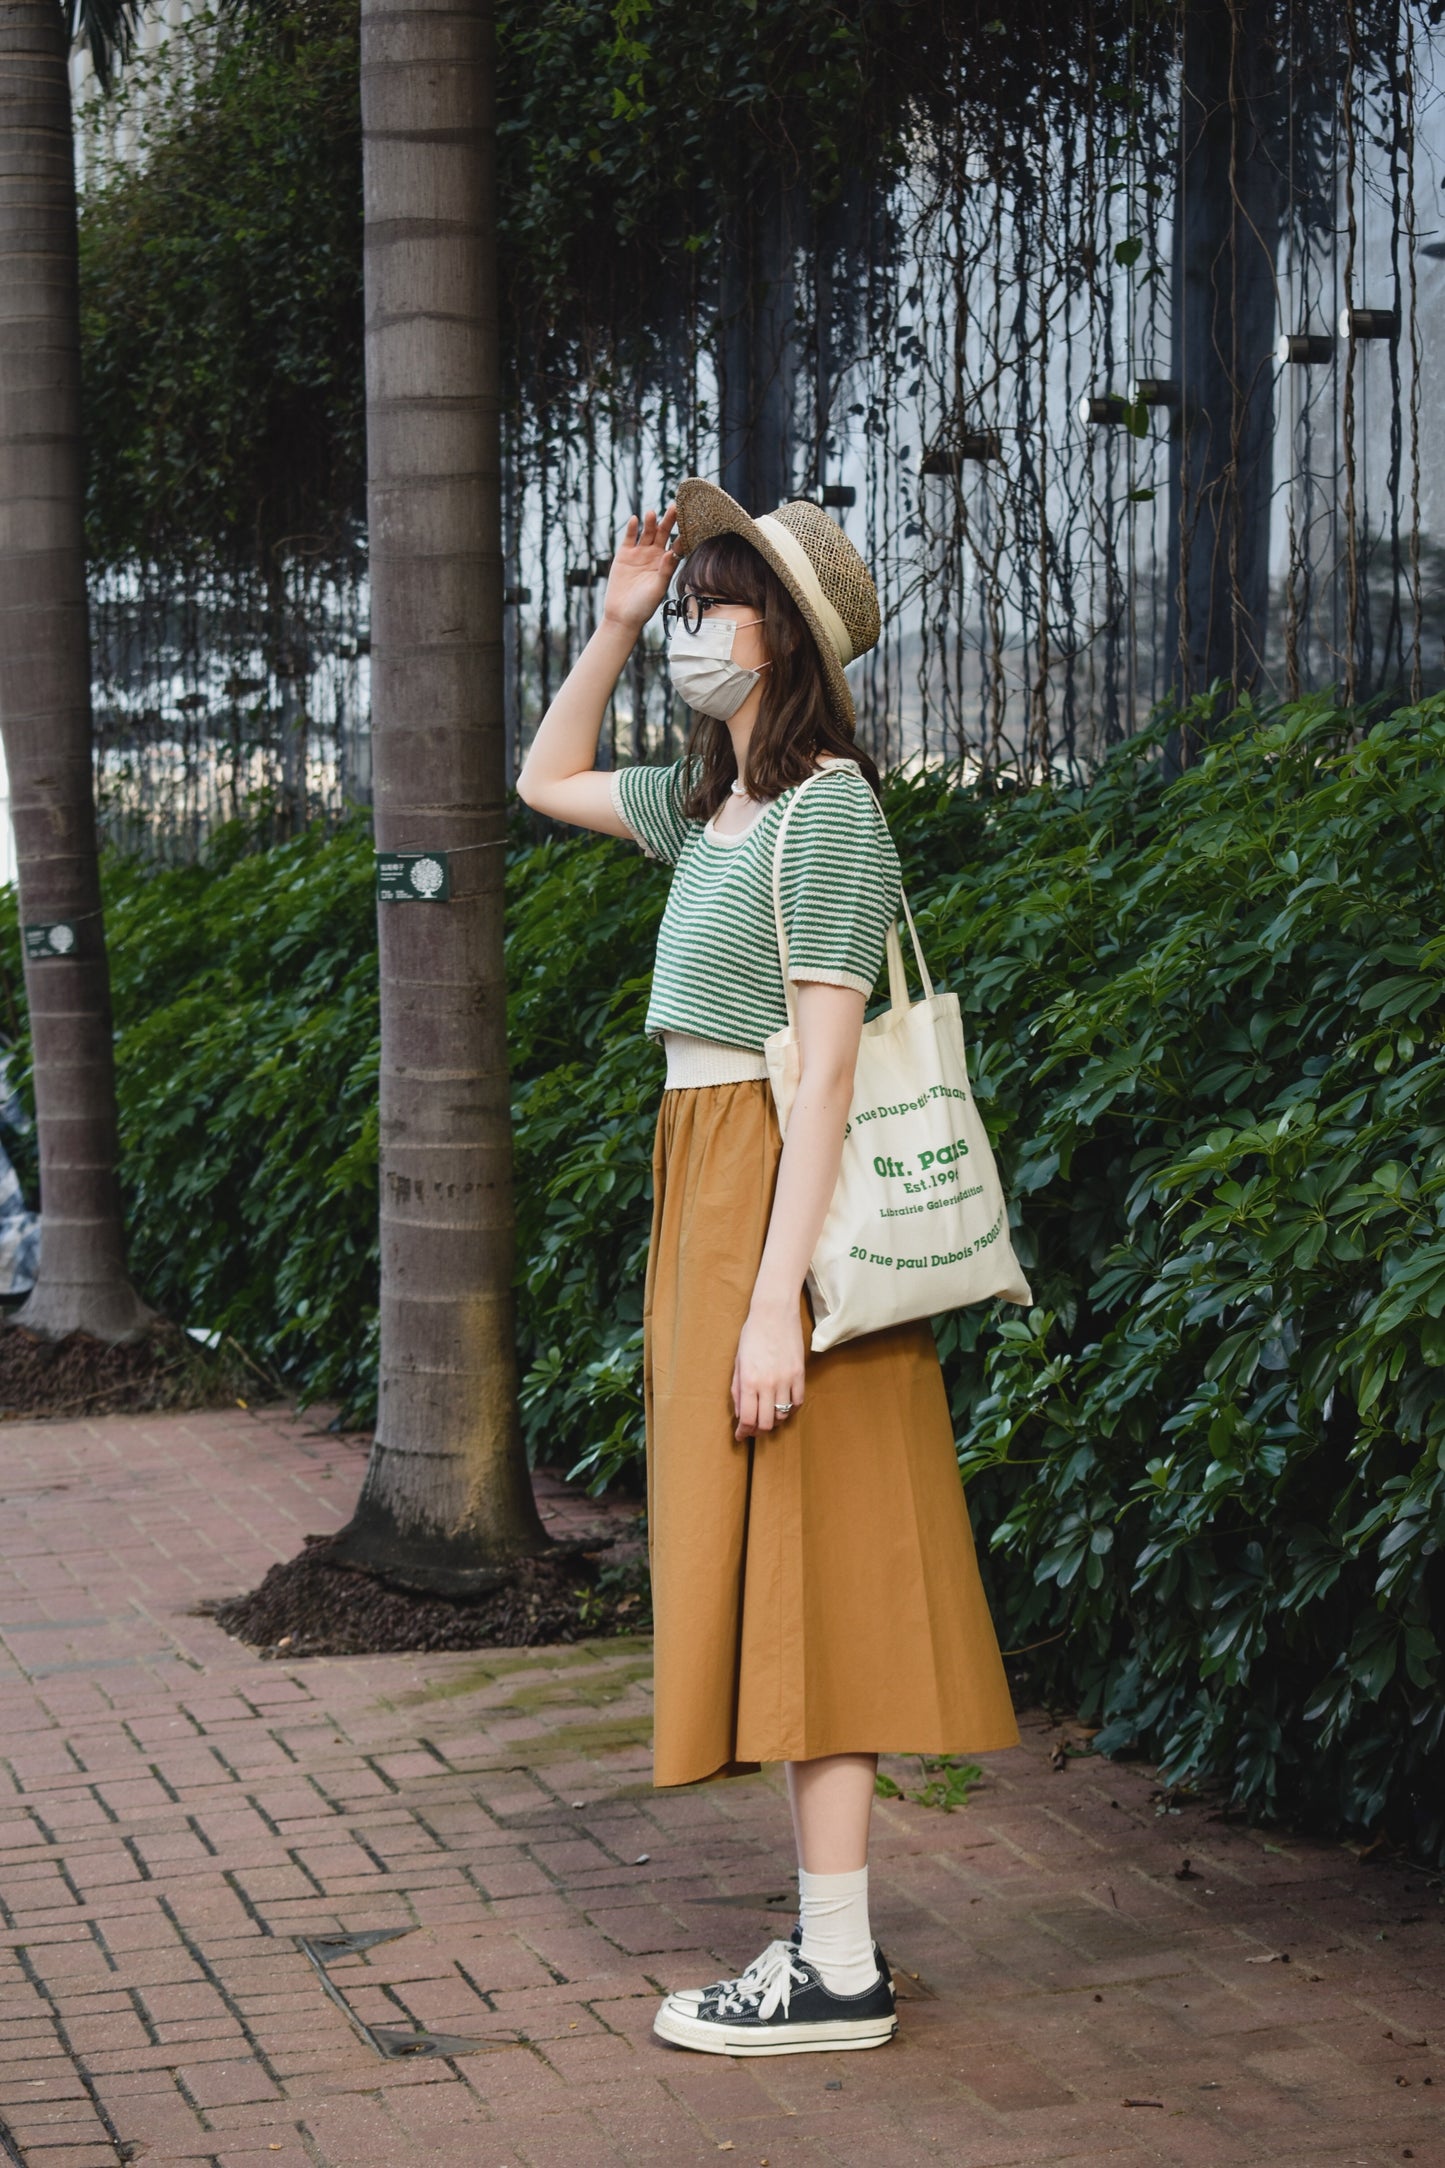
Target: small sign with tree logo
413,877
56,940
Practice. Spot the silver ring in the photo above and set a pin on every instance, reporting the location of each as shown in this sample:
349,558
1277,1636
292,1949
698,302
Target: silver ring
782,1407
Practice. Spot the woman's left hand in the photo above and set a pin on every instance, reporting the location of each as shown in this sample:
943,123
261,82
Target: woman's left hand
768,1368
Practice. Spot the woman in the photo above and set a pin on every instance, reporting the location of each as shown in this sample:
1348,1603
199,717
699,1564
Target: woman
814,1584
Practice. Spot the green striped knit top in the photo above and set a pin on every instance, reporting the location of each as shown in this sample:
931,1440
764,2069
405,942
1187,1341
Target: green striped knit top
717,974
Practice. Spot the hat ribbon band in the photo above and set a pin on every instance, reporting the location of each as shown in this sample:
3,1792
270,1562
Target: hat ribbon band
796,558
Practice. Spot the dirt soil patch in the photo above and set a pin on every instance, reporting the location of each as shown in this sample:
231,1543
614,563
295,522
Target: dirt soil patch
311,1606
80,1376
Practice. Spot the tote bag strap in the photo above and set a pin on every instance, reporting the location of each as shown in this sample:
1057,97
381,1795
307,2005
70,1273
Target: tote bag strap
897,979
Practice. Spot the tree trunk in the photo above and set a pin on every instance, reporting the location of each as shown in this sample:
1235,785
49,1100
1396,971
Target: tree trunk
45,691
447,1502
757,345
1226,237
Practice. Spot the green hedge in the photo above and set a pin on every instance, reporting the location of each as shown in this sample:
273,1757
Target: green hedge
246,1053
1209,1468
1213,1460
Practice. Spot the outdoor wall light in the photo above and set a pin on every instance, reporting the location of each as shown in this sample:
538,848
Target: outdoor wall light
948,459
1102,406
516,594
1153,391
1369,324
580,576
842,494
1304,346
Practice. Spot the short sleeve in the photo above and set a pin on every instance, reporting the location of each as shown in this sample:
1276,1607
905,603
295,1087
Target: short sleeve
649,799
840,883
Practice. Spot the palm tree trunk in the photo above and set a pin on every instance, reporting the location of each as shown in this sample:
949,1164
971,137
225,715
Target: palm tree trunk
758,360
45,690
447,1502
1226,239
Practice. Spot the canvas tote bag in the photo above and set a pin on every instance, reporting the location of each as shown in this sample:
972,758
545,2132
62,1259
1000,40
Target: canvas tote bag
918,1222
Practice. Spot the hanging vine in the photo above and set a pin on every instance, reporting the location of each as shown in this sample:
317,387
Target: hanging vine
976,275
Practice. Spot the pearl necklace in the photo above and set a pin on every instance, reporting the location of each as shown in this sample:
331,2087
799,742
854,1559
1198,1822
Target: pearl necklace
738,788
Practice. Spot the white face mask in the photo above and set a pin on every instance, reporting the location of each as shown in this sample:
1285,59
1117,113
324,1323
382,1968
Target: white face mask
702,670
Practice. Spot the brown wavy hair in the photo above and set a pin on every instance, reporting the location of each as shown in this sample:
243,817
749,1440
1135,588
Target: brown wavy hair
795,723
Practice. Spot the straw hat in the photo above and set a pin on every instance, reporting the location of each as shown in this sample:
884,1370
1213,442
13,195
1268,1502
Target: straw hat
815,562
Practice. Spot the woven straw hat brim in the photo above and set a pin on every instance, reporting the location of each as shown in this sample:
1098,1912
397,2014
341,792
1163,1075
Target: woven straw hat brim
704,510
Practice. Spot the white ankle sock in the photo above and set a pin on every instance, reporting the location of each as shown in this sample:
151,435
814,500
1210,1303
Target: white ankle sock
837,1938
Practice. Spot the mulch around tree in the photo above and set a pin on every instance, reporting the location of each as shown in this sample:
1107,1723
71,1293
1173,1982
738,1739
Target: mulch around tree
80,1375
311,1606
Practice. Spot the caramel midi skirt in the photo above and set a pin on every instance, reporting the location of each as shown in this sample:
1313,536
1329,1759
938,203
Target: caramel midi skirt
815,1590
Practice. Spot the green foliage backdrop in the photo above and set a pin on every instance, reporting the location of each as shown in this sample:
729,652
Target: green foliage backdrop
246,1052
221,273
1208,1471
221,309
221,276
1214,1457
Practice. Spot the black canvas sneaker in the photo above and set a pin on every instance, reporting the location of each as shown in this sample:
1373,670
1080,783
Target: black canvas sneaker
779,2006
697,1995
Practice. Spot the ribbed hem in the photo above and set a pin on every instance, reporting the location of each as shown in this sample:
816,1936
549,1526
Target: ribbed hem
693,1063
801,973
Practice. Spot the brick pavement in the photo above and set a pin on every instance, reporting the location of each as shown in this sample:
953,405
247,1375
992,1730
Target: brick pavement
179,1820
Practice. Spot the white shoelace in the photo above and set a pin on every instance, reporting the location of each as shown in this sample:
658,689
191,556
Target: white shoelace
767,1983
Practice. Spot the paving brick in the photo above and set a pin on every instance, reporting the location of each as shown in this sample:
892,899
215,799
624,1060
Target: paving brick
181,1999
19,2090
209,1808
69,2125
165,2123
353,2130
101,2155
553,2141
223,2083
269,2154
95,2035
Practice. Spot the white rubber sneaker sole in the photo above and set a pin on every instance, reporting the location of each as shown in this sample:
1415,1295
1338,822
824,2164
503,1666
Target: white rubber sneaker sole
681,2025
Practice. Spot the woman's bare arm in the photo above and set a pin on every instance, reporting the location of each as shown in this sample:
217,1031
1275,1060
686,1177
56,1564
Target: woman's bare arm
559,775
769,1365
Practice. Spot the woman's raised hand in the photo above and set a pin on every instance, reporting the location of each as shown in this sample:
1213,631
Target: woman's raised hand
641,570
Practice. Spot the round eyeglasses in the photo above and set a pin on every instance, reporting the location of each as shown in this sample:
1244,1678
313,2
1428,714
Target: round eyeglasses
689,610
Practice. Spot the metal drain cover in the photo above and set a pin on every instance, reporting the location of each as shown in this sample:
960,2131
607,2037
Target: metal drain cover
396,2044
330,1947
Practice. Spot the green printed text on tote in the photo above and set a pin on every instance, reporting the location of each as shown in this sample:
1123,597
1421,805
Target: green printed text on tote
934,1262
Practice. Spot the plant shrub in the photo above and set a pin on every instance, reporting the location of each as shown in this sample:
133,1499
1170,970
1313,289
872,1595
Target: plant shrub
1208,1469
1211,1463
582,925
247,1041
246,1055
